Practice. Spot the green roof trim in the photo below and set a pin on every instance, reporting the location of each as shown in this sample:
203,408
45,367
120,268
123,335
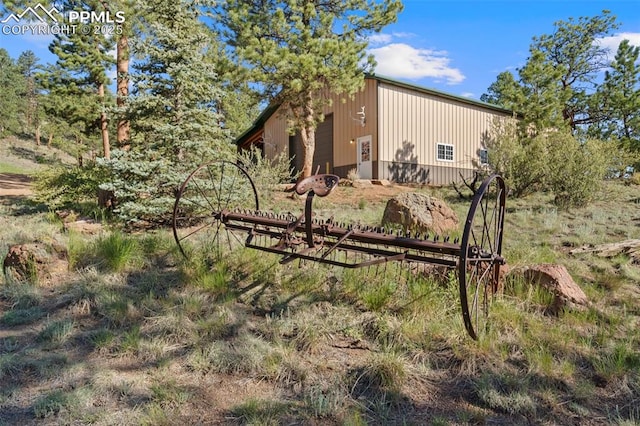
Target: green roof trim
271,109
262,118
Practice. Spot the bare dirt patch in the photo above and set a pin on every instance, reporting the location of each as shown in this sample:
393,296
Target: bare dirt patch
13,184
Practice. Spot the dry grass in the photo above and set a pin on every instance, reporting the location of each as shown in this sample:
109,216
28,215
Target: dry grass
135,335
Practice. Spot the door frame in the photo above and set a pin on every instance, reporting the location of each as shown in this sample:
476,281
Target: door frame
364,166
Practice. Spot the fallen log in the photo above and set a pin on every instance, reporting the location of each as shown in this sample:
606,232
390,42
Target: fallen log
630,248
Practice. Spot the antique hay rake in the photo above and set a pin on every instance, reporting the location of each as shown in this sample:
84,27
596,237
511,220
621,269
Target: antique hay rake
217,208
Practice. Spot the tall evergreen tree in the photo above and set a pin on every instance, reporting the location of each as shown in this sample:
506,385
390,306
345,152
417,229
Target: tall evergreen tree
11,101
620,93
560,76
174,124
80,74
573,52
298,50
124,33
28,65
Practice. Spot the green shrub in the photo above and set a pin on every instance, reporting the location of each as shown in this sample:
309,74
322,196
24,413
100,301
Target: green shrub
520,161
264,172
576,169
552,160
69,186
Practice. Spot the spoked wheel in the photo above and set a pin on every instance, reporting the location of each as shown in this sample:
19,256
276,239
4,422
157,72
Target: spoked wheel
203,199
481,254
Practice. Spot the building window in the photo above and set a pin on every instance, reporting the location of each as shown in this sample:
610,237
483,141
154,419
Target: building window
445,152
484,157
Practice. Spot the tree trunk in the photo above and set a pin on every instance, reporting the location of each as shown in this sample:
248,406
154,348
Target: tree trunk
308,136
38,135
122,68
50,140
104,197
103,126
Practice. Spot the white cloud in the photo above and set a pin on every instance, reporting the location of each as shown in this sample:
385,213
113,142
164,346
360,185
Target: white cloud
378,39
404,61
612,42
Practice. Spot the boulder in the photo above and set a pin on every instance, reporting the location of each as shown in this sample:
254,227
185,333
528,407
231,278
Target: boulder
83,226
381,182
35,262
557,280
421,213
362,183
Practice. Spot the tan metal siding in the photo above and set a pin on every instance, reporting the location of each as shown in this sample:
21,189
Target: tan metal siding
276,137
346,127
413,123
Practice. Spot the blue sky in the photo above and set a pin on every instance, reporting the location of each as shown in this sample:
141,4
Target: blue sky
456,46
460,46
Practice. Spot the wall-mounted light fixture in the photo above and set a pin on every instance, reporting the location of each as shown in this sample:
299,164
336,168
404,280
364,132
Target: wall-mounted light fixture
352,141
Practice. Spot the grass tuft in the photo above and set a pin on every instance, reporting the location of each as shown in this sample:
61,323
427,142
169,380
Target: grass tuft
117,251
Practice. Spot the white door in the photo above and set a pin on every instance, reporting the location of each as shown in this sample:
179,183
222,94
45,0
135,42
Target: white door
364,157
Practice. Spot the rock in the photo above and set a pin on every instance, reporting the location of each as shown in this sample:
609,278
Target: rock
83,226
557,280
421,213
381,182
362,183
35,262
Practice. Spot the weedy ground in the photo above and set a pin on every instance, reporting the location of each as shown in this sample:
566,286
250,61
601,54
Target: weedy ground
133,333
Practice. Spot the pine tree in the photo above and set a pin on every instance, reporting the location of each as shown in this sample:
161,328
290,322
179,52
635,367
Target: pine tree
573,53
174,124
620,92
11,102
298,50
80,74
28,65
560,79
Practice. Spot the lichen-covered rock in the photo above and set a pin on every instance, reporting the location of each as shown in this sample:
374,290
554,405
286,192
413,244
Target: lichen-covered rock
420,213
362,183
557,280
34,262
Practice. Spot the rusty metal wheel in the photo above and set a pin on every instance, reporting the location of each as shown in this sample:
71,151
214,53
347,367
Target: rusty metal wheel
481,254
201,203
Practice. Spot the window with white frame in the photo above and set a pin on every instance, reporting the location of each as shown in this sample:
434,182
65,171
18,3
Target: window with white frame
484,157
444,152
